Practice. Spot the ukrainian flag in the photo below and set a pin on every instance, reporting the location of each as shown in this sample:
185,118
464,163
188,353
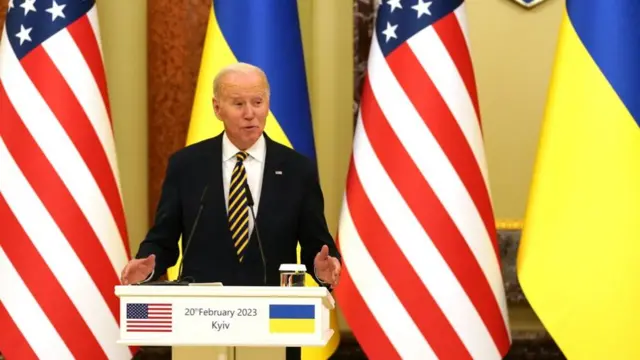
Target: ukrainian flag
265,33
579,257
292,319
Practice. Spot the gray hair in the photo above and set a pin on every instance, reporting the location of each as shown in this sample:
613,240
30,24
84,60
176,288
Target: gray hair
242,68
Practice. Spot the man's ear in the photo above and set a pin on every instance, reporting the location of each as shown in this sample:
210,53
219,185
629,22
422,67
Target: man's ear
216,106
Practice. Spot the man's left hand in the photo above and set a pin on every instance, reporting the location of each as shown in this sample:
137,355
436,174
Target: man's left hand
327,267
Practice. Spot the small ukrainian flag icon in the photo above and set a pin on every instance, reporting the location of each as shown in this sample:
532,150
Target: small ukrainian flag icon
292,318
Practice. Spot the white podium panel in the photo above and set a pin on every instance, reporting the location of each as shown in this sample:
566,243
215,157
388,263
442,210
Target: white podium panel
224,316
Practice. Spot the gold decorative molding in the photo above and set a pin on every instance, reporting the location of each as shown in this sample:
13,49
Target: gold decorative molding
528,3
509,224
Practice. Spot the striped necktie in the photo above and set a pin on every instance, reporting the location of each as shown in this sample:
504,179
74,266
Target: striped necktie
238,210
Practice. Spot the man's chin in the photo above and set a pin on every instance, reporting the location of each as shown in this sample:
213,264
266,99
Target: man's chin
252,133
250,137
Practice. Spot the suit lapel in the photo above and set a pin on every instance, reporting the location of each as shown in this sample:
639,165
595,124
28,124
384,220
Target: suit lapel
269,190
215,177
217,210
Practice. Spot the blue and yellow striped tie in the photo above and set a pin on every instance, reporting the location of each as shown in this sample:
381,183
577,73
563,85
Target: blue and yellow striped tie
238,210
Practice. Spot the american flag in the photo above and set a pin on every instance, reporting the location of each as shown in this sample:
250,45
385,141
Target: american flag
149,317
421,273
63,239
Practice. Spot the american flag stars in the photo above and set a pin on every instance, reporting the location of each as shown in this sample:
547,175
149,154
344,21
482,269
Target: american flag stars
28,5
23,35
421,8
31,22
400,20
56,10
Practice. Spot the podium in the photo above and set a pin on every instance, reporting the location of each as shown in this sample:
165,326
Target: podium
224,322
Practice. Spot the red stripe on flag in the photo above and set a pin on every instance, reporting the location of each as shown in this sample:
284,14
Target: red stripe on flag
365,328
66,108
46,289
147,330
450,33
147,325
433,217
12,344
147,322
59,203
404,281
86,40
436,114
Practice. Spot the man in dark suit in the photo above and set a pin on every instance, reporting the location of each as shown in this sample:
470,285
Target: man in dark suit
224,174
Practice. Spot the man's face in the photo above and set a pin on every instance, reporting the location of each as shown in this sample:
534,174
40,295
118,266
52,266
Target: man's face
243,106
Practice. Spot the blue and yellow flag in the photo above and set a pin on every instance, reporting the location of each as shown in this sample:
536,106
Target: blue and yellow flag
292,318
579,257
266,34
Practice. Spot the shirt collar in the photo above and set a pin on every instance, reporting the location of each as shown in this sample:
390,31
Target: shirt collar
257,151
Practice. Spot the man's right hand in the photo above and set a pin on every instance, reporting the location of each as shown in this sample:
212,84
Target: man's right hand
138,270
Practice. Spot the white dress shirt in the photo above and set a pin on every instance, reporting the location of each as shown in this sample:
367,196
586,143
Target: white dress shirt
253,165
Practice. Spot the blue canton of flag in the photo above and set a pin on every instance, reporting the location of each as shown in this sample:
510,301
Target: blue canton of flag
399,20
29,24
137,311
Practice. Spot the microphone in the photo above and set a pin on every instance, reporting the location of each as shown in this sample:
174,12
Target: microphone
255,226
193,230
180,280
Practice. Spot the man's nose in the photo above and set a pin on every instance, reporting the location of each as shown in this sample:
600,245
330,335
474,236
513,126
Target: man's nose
249,112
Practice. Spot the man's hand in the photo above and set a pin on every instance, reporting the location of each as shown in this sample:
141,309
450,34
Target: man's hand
327,268
138,270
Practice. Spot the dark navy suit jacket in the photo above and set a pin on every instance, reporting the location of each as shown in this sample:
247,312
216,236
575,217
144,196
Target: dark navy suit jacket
291,210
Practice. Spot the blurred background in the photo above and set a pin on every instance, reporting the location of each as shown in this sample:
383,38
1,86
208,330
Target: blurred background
153,49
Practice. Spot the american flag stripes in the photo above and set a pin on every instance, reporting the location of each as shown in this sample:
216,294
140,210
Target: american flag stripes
149,317
421,273
63,239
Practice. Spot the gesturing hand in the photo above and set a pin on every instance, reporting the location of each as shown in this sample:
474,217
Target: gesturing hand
138,270
327,267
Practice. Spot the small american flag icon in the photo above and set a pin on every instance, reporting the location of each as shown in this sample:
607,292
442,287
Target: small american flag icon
149,317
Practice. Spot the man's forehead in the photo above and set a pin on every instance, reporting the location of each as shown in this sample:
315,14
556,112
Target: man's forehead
250,77
232,91
241,90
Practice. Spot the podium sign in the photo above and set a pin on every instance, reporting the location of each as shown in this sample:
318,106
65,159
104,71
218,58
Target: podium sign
224,316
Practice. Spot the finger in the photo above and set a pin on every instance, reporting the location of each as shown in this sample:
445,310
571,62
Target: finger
150,260
124,276
333,263
324,252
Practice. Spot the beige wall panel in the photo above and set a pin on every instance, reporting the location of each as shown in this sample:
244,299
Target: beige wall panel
124,39
513,50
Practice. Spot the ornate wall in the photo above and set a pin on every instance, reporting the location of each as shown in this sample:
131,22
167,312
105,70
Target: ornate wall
176,31
3,11
363,21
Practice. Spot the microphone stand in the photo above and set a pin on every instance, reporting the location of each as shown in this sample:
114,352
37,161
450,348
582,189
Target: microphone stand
250,204
180,280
